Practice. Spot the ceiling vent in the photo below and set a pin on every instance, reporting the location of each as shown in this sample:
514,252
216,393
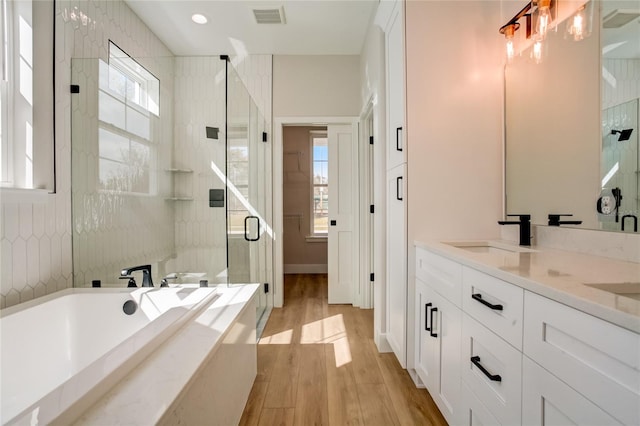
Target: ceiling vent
619,18
270,16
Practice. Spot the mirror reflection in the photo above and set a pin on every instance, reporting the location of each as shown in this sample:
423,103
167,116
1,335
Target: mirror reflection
572,123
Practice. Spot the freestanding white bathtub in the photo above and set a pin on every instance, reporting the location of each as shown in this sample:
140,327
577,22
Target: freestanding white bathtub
61,352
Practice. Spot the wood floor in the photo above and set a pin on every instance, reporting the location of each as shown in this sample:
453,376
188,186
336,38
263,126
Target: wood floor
318,365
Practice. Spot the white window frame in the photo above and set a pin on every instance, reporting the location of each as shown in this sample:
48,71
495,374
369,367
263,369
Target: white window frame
313,235
27,148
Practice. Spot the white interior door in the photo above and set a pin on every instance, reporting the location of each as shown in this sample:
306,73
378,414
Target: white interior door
343,203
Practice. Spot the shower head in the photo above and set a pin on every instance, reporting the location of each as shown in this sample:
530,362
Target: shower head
625,134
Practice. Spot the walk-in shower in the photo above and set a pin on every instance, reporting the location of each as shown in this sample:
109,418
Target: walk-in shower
150,183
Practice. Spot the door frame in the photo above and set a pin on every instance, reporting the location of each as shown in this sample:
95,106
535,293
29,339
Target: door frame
278,192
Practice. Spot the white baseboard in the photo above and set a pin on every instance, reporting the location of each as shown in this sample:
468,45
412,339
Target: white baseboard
311,268
381,342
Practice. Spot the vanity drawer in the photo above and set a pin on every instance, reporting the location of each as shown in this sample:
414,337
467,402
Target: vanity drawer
598,359
499,386
441,274
473,412
494,303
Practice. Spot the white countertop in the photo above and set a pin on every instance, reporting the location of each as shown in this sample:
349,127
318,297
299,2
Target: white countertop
559,275
144,395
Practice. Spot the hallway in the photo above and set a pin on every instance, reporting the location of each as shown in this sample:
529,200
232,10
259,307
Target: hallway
318,365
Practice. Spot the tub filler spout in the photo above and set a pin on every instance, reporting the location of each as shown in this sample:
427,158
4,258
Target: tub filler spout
147,281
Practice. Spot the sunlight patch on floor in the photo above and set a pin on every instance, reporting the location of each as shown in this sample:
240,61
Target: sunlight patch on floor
282,338
326,330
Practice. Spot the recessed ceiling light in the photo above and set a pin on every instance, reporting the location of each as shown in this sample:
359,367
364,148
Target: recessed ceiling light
199,19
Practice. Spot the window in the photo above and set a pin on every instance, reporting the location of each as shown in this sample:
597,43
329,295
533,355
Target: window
128,100
320,183
26,153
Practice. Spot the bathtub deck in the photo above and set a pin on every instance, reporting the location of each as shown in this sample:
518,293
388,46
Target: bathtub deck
153,393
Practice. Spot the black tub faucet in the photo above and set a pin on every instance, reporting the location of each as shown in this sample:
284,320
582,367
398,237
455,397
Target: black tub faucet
525,227
146,274
554,220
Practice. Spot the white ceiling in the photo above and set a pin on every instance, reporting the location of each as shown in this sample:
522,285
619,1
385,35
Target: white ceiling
623,42
313,27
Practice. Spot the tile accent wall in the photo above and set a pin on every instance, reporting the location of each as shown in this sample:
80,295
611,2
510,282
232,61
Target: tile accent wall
621,81
36,238
200,230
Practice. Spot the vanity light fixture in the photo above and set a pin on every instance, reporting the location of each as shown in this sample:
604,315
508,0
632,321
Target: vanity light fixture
199,18
576,25
542,13
543,18
537,51
579,25
509,31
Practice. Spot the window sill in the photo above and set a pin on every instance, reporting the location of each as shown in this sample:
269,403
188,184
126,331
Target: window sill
23,195
316,239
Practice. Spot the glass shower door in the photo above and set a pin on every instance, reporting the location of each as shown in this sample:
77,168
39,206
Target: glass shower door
248,159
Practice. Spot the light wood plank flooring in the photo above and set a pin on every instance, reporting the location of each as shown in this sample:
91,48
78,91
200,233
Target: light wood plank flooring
318,365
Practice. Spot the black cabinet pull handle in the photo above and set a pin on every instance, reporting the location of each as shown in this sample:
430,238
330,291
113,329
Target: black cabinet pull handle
478,297
431,333
246,236
426,317
398,186
398,147
493,377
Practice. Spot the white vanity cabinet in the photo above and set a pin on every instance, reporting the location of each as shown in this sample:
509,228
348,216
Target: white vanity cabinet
600,360
394,44
523,358
438,328
547,400
397,263
491,342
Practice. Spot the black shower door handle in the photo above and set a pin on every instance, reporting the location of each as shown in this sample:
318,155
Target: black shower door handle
246,235
398,187
398,147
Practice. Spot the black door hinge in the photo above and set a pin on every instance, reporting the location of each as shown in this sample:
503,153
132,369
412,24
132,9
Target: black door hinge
74,88
371,277
264,136
266,287
370,140
372,209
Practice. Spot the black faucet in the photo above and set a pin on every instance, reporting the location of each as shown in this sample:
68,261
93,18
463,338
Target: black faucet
635,222
146,274
554,220
525,227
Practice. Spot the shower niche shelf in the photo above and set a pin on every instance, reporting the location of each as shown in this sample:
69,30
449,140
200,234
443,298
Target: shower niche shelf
180,184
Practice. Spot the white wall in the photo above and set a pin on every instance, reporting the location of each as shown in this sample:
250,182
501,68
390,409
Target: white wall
316,86
454,119
454,78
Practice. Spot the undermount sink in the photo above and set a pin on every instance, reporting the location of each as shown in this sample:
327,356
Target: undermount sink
492,247
631,290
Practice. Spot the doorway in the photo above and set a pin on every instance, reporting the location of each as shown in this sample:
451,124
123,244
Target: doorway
305,177
331,202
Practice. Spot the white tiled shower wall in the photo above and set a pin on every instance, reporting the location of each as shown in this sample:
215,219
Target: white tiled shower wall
36,238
